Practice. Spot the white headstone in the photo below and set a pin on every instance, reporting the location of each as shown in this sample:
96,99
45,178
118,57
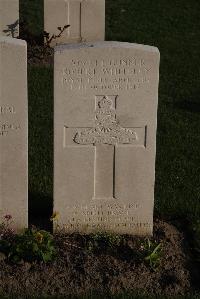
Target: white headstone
9,18
106,98
13,131
85,17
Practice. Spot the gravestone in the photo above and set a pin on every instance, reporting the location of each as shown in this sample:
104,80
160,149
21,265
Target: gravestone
85,17
9,18
13,131
106,96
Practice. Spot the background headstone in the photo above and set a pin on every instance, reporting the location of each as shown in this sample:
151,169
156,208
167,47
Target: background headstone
9,18
105,118
85,17
13,131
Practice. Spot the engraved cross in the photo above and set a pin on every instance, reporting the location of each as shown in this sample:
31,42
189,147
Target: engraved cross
105,136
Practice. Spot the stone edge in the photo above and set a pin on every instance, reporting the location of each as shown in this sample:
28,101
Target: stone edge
105,44
14,41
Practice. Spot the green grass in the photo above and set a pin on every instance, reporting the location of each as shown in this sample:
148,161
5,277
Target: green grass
174,27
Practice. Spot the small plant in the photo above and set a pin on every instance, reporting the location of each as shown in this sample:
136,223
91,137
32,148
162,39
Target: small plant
103,240
54,219
49,39
37,52
32,245
151,253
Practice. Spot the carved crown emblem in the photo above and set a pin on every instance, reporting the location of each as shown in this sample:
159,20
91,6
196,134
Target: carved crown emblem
107,130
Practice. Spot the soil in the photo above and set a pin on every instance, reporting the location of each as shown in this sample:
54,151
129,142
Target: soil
78,270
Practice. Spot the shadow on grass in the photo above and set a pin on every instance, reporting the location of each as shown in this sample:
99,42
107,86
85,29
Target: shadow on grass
40,145
40,211
193,107
31,21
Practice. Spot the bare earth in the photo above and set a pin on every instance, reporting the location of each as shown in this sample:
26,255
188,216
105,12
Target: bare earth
77,270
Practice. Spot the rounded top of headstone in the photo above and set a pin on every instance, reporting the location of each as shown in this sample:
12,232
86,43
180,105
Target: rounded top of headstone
14,41
105,44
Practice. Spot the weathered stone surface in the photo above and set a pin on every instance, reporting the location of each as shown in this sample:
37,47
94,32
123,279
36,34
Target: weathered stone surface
13,131
85,17
106,96
9,18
